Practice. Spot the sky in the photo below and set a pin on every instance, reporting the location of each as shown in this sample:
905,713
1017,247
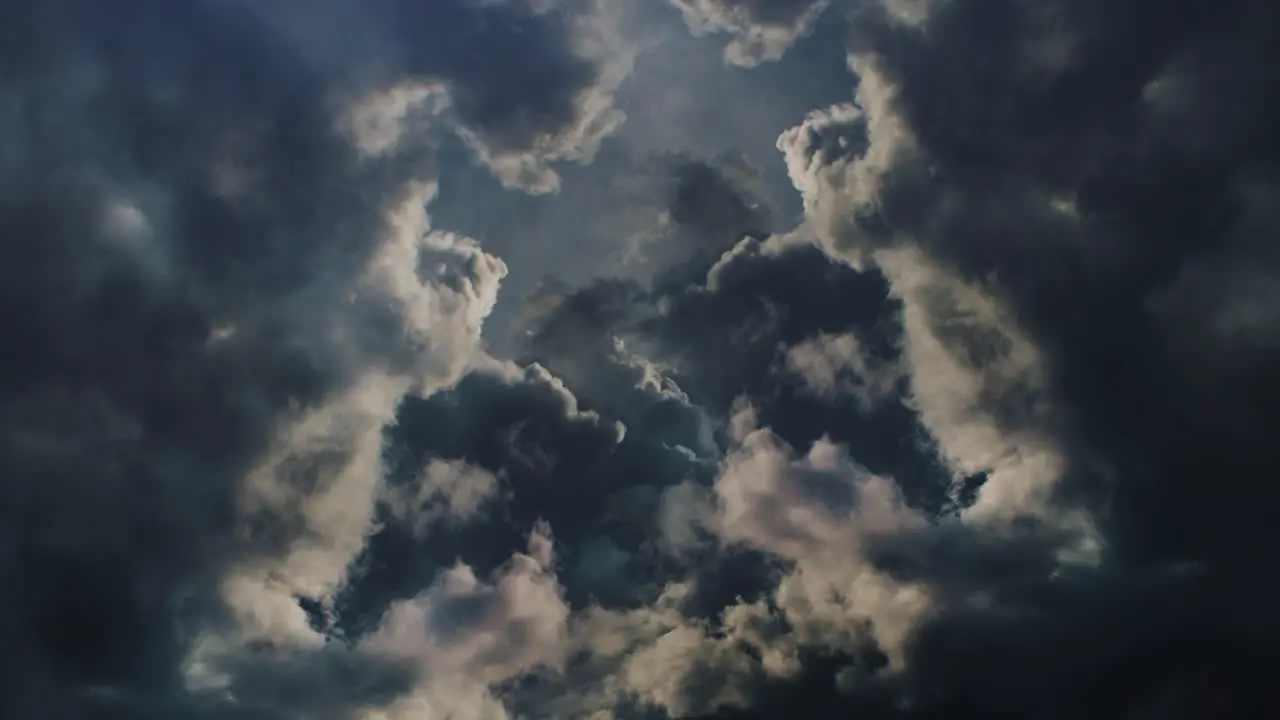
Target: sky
639,359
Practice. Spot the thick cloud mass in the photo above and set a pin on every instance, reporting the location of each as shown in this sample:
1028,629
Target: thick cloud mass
214,299
1029,180
987,432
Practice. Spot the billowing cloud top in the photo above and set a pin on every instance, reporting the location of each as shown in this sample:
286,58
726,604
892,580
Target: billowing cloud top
977,422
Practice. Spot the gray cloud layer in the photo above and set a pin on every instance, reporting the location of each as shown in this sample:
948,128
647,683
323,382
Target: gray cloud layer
986,435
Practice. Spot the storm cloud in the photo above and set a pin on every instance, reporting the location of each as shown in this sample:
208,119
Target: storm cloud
216,293
985,431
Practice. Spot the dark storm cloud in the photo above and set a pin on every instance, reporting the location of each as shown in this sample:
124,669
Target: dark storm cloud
1073,215
996,443
619,444
555,107
1072,206
721,324
1075,225
216,290
522,83
555,462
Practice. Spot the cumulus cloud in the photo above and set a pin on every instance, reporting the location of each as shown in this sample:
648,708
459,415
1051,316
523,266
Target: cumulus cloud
818,512
467,635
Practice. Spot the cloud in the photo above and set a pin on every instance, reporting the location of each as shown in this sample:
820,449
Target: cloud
838,364
816,513
762,30
523,84
987,434
630,482
216,298
467,635
445,492
1011,170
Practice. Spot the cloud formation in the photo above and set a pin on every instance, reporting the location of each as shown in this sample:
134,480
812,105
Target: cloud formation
762,30
1014,172
215,299
985,434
